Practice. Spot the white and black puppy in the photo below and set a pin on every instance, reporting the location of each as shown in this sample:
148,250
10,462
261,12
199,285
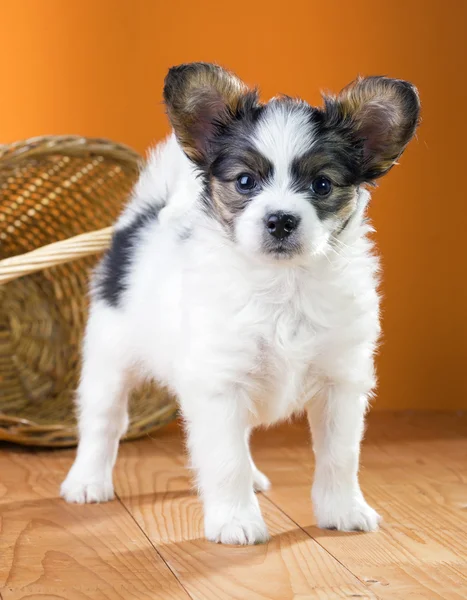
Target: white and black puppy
241,276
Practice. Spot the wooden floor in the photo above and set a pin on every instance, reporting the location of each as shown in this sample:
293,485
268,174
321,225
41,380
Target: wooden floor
148,543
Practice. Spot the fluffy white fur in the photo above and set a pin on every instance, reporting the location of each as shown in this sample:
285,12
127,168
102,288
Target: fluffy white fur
242,340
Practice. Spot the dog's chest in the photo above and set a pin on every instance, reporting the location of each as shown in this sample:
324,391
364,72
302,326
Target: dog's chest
285,374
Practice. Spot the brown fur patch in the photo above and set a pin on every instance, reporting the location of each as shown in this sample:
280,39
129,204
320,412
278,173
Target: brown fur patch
227,201
384,113
225,170
199,95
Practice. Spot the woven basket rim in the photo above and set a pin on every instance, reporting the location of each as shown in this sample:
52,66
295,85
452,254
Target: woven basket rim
12,154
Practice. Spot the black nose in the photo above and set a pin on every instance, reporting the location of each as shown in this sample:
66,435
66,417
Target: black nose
280,225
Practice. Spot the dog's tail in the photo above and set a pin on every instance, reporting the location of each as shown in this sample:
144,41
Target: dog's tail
165,167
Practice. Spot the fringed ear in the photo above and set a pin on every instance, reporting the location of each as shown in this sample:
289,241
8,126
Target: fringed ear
383,114
199,98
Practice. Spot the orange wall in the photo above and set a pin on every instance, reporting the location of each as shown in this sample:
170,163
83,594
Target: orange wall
96,67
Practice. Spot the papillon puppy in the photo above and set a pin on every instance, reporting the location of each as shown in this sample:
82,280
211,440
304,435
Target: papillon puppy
241,276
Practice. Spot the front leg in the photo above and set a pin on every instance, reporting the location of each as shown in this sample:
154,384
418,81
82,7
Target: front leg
217,440
336,420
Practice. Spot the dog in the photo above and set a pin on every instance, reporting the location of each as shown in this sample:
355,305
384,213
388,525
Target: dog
241,276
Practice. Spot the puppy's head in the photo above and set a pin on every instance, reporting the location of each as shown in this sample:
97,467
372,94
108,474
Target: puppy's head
282,177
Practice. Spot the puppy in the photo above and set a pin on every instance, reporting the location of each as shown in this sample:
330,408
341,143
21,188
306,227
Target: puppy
241,276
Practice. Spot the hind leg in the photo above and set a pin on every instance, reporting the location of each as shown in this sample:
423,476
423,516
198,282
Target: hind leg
260,482
102,411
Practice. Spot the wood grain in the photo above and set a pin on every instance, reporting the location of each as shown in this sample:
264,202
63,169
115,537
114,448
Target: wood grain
415,474
49,549
148,543
155,486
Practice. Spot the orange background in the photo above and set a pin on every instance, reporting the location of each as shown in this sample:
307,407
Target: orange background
96,67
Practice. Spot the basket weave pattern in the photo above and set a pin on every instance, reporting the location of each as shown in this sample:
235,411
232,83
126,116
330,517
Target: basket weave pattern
51,190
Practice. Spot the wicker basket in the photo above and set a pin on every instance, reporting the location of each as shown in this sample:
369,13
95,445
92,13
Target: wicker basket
58,198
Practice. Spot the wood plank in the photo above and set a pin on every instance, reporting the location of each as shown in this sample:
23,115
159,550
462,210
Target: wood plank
414,473
50,549
154,484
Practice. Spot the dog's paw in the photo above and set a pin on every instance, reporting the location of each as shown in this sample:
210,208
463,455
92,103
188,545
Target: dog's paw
352,514
260,482
85,489
240,528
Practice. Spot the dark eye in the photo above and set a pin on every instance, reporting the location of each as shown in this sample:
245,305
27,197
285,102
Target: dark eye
245,183
321,186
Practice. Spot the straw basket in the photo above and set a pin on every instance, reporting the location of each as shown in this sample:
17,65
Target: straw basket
58,198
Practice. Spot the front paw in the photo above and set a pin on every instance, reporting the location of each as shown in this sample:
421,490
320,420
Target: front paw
82,488
237,527
345,513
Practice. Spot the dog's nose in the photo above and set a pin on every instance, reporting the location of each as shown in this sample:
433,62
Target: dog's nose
280,225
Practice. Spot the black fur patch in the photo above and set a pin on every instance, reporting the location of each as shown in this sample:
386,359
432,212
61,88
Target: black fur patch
244,158
233,137
113,271
335,154
233,153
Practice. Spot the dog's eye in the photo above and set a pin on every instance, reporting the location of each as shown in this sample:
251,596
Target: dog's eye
245,183
321,186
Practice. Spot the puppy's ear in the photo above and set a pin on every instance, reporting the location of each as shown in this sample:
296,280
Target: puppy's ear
200,99
383,115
